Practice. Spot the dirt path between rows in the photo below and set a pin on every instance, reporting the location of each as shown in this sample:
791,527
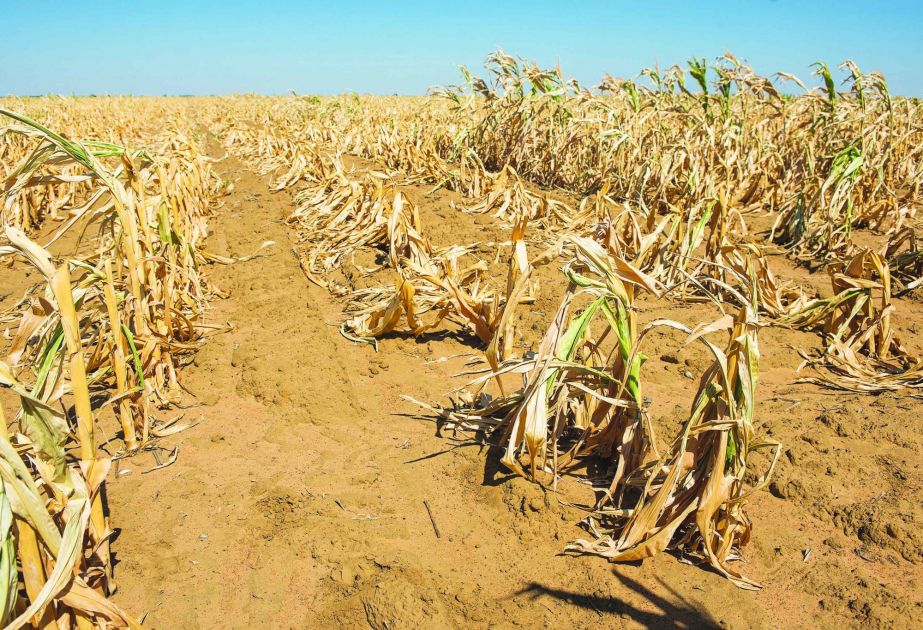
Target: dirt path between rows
298,498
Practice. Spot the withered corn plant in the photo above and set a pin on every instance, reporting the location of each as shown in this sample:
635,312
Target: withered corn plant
430,285
693,495
51,512
861,349
575,391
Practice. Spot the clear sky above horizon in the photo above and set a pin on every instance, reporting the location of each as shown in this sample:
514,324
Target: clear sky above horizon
273,46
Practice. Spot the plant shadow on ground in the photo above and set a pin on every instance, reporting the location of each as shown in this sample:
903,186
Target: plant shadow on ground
676,612
459,336
495,473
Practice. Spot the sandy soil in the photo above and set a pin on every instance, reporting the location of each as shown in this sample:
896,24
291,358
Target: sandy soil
299,499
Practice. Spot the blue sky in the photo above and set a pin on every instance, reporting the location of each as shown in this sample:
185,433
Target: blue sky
272,46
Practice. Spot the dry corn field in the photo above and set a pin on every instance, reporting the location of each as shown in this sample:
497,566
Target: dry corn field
515,353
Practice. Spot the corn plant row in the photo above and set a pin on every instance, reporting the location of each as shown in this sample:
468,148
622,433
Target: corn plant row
114,316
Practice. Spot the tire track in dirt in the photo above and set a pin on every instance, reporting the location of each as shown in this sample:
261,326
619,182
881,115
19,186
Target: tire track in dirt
297,501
